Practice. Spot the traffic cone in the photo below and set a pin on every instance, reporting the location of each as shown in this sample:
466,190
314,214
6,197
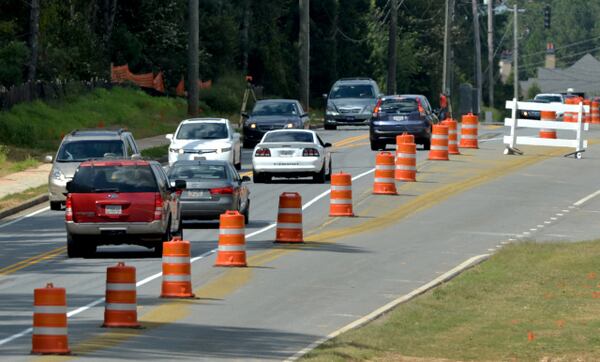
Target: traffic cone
595,112
341,195
50,321
587,116
176,270
384,174
404,138
289,218
406,162
121,297
439,143
547,116
232,240
469,131
452,136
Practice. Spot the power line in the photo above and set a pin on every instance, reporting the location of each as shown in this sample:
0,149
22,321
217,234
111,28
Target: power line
560,58
562,47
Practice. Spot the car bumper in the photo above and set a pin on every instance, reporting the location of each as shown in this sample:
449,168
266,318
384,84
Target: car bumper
116,228
57,189
347,119
389,133
284,165
253,135
223,156
192,209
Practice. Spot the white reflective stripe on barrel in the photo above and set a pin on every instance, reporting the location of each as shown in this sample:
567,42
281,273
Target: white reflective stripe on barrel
288,210
289,225
384,179
439,136
406,168
231,231
341,201
406,155
384,167
452,142
50,309
121,306
177,277
122,286
340,188
49,331
176,259
232,247
469,137
469,126
439,148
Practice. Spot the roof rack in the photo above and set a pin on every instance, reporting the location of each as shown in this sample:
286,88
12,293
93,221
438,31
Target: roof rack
117,130
355,78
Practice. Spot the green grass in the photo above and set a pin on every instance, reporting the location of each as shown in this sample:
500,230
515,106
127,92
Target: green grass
551,290
156,152
30,162
17,198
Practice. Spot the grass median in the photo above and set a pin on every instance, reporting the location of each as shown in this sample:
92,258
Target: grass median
12,200
528,302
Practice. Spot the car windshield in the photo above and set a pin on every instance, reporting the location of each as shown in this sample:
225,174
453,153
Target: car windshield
197,172
352,91
399,105
289,137
77,151
202,131
549,98
116,178
274,109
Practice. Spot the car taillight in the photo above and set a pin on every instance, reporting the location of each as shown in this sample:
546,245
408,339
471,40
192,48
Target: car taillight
310,152
221,190
69,208
263,152
376,109
158,206
420,107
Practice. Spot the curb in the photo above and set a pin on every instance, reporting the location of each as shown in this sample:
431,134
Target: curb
24,205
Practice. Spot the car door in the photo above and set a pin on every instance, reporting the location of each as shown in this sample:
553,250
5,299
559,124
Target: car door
303,116
240,192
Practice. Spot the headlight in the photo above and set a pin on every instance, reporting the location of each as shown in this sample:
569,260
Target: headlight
58,175
252,125
331,110
289,125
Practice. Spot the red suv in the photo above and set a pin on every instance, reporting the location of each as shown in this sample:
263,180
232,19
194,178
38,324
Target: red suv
121,202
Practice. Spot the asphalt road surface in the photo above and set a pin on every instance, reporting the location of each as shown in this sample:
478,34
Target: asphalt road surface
290,296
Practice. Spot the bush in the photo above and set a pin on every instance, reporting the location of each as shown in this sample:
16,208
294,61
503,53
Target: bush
225,95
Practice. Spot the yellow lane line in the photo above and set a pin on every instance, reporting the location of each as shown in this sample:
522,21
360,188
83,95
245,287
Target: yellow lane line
32,261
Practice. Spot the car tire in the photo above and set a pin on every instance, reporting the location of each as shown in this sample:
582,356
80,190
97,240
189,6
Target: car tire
246,213
257,178
320,177
248,144
55,205
179,231
377,146
330,127
73,247
427,144
238,166
328,177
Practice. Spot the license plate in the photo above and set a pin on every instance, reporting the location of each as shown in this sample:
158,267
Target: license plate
197,194
112,209
400,118
286,164
286,153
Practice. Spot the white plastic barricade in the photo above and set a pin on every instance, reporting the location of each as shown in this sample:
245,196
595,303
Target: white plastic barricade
511,141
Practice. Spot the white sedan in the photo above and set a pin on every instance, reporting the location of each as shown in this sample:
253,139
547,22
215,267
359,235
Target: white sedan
205,139
291,153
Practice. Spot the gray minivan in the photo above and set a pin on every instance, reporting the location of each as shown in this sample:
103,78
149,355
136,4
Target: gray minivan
350,102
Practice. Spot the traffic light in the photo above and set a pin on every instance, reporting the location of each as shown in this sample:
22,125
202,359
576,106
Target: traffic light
547,17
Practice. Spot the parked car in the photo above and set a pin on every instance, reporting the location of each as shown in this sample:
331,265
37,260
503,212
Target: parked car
291,153
205,138
270,114
121,202
350,102
213,187
81,145
396,114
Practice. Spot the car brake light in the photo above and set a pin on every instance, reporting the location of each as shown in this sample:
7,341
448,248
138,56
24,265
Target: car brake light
376,109
222,190
263,152
69,208
158,206
310,152
421,109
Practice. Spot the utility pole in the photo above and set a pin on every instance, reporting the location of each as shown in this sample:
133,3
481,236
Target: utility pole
304,52
446,48
193,40
392,58
516,53
477,41
490,40
245,41
34,29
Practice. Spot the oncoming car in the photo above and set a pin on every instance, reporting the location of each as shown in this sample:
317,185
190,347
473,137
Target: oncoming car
291,153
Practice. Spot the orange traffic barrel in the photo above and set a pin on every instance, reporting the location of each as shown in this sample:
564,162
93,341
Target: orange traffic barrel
452,136
587,116
568,116
468,131
289,219
595,112
50,321
341,195
406,162
232,240
176,269
121,298
384,182
547,116
439,143
404,138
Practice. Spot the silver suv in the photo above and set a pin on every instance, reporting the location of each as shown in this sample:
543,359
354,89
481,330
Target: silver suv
82,145
351,102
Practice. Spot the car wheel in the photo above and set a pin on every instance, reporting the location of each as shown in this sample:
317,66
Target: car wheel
257,178
56,205
427,144
88,249
238,166
331,127
246,213
179,231
328,177
73,246
377,145
320,176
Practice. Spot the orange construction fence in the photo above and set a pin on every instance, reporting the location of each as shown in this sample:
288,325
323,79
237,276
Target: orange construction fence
180,90
121,73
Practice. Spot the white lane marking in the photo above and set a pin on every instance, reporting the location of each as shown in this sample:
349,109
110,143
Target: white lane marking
534,229
587,198
559,214
405,298
571,207
553,219
547,222
25,217
540,226
491,249
526,233
565,210
492,139
158,275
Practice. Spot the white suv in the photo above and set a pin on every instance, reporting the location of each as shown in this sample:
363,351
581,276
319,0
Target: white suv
205,139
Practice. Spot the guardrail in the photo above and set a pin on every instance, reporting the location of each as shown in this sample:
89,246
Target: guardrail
512,140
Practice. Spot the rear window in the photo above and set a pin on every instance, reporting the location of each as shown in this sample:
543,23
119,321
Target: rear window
198,172
202,131
399,105
113,179
352,91
549,98
289,137
84,150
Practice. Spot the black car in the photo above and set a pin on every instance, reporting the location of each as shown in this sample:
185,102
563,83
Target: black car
394,115
528,114
270,114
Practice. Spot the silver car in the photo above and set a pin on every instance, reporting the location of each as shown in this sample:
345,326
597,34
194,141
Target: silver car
213,187
82,145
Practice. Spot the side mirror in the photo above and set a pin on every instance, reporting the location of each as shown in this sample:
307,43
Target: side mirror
68,187
325,95
246,179
48,159
245,115
136,156
169,136
327,144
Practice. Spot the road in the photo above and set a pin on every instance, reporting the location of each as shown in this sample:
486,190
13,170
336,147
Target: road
290,296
